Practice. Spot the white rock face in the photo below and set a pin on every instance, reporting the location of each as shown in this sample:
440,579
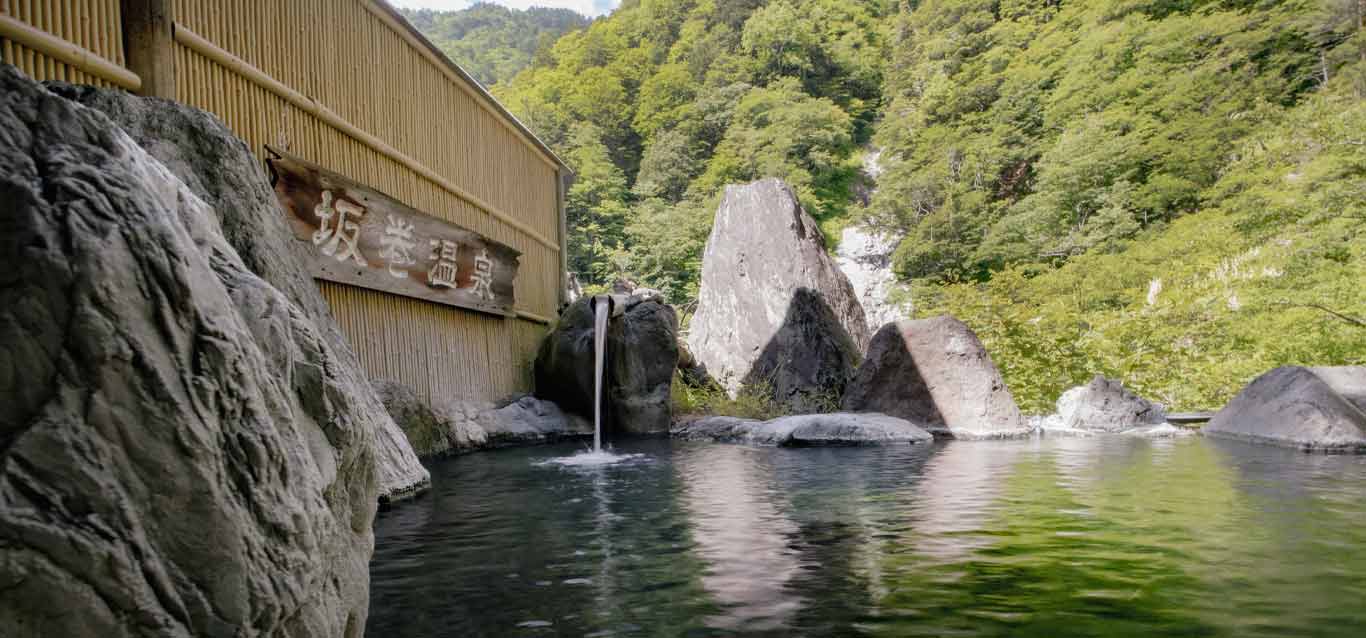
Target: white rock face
865,257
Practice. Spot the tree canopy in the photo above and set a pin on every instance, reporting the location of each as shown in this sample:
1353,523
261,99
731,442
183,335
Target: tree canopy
1168,191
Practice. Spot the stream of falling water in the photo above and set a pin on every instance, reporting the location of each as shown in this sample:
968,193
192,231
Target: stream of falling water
601,310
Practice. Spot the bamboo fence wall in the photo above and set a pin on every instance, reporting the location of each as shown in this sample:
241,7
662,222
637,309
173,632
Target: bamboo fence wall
93,25
295,74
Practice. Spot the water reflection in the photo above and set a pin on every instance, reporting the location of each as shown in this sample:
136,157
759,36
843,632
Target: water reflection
741,534
960,494
1097,536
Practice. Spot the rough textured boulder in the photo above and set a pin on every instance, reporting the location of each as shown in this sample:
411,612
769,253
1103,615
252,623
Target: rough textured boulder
642,353
221,171
1316,409
528,421
805,430
935,373
427,433
1105,405
762,251
181,456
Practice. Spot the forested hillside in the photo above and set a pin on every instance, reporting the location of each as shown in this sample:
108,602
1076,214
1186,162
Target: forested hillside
493,42
661,104
1161,191
1172,192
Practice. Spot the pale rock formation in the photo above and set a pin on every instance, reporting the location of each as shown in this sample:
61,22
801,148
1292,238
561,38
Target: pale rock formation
220,169
865,257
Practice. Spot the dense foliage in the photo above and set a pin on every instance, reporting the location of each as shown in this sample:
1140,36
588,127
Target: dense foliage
492,42
662,104
1159,191
1168,191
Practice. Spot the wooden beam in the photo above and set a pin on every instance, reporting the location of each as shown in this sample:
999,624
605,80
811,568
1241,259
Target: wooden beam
563,179
80,58
149,45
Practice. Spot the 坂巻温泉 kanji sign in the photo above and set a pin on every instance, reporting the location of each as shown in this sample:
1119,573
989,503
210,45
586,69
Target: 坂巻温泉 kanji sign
353,234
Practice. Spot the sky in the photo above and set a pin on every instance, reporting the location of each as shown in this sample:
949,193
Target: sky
592,8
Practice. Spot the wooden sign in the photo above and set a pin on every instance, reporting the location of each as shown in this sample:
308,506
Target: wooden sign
355,235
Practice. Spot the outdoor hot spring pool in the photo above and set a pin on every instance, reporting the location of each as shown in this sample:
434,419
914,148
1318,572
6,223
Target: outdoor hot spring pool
1099,536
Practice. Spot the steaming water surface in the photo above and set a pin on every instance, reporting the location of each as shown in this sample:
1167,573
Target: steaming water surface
1100,536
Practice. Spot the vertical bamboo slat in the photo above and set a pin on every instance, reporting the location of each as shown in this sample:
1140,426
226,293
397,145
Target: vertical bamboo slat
91,24
347,58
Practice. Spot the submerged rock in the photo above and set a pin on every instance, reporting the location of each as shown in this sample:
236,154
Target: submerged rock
805,430
1314,409
765,255
219,169
1159,431
1105,405
935,373
459,426
182,452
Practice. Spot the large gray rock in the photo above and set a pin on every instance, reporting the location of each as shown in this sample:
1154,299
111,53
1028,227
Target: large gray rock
764,254
935,373
805,430
428,433
181,453
220,170
1315,409
642,353
1105,405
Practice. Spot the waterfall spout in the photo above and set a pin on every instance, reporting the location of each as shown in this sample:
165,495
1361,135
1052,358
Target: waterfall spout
602,308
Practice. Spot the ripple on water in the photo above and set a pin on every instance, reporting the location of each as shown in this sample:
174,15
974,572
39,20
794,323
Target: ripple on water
1098,536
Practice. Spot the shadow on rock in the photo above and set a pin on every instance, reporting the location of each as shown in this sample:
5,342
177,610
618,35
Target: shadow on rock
809,360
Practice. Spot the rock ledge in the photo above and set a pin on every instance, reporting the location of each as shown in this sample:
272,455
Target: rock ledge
805,430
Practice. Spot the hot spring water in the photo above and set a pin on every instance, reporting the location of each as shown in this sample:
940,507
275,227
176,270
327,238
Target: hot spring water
1101,536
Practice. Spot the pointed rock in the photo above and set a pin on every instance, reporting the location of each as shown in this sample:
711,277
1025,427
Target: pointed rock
764,250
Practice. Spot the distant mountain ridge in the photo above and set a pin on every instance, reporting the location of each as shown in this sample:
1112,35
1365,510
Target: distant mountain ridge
493,42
